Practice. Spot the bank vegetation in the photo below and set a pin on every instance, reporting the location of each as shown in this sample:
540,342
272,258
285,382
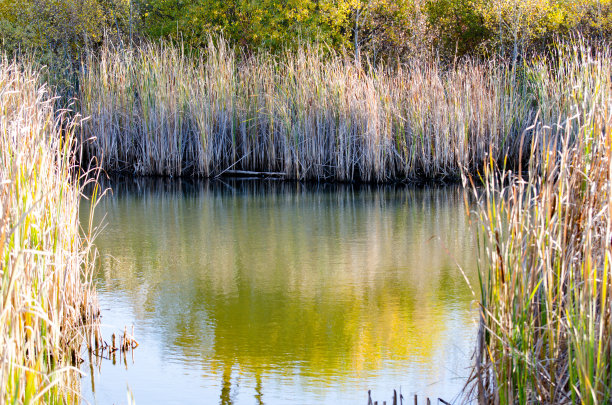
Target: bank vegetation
546,238
48,308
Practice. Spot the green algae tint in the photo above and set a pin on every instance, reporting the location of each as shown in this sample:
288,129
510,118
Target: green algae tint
254,292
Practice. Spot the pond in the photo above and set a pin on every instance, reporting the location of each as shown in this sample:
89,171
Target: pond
268,292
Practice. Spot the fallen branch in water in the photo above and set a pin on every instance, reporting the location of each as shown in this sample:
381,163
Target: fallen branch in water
253,174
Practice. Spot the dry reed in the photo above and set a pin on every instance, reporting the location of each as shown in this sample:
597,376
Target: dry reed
47,304
546,234
156,111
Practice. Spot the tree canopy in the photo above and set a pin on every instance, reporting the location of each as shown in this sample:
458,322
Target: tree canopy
376,28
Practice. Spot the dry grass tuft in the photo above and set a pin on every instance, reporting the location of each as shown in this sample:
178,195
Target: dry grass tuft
47,304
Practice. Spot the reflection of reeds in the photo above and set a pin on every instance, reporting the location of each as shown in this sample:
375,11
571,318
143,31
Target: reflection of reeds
546,335
46,306
355,229
156,111
309,272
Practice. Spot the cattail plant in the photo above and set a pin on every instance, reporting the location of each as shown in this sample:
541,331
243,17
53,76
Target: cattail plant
155,111
47,304
546,235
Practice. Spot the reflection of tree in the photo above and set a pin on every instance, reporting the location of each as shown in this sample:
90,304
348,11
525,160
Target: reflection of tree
258,387
226,387
275,275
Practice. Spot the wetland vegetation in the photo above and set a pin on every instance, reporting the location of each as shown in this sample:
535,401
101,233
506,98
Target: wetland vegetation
48,306
511,98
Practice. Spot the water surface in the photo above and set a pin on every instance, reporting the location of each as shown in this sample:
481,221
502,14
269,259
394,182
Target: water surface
255,292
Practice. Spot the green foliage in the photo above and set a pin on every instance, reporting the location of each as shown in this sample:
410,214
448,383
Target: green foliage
534,23
62,27
272,24
376,29
459,24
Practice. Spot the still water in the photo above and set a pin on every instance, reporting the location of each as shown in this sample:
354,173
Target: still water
255,292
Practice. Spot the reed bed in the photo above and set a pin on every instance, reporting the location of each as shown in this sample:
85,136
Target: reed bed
155,111
47,304
546,327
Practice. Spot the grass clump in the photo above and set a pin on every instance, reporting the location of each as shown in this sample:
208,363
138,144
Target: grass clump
47,304
546,327
156,111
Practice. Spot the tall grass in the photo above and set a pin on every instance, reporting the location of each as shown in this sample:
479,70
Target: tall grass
156,111
546,333
47,304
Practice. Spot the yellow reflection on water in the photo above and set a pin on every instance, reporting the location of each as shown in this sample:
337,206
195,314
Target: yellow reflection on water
319,283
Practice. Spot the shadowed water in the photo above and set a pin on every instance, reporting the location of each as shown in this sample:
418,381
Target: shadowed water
251,292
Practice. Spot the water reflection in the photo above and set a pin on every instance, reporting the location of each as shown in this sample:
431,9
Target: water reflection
273,292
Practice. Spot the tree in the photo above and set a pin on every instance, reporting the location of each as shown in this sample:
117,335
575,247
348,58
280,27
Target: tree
61,26
456,26
527,23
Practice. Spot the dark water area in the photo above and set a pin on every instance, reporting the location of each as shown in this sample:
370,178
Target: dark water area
269,292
